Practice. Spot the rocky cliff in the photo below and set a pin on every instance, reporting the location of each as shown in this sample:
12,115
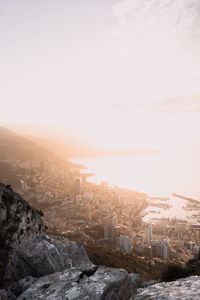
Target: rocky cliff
17,221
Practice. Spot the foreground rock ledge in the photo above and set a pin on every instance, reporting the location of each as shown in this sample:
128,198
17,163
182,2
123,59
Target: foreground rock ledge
182,289
54,268
105,283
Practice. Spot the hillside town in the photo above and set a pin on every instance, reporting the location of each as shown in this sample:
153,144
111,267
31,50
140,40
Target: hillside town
101,214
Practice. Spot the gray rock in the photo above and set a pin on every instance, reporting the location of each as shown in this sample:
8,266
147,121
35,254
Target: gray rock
18,220
25,283
49,267
4,295
104,284
44,255
149,283
69,273
18,287
136,281
182,289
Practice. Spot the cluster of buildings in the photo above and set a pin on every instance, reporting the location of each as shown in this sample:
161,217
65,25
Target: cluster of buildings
141,243
122,242
157,248
71,204
98,213
170,239
167,239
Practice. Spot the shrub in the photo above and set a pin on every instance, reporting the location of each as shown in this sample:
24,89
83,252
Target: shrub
173,272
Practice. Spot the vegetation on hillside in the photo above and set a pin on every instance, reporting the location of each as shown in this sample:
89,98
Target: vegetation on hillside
175,271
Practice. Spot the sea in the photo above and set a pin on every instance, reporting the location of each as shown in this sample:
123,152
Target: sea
153,176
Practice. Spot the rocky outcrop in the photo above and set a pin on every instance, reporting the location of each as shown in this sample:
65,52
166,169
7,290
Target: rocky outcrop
105,283
43,255
182,289
18,221
48,267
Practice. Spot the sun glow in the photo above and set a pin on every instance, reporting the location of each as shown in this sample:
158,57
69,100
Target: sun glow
118,76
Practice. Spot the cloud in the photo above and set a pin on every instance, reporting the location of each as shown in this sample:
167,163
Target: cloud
164,20
178,104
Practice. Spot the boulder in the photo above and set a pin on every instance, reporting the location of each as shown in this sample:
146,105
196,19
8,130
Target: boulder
105,284
43,255
50,267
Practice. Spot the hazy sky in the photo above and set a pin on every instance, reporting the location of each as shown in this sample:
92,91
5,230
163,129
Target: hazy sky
122,74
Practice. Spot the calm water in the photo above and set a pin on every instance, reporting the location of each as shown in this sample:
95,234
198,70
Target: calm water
152,174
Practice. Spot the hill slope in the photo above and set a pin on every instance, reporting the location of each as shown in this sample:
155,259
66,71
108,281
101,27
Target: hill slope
14,146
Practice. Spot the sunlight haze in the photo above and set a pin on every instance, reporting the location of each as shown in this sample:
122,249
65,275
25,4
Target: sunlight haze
115,75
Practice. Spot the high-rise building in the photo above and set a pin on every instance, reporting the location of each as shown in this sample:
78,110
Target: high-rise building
148,233
160,249
165,250
125,243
